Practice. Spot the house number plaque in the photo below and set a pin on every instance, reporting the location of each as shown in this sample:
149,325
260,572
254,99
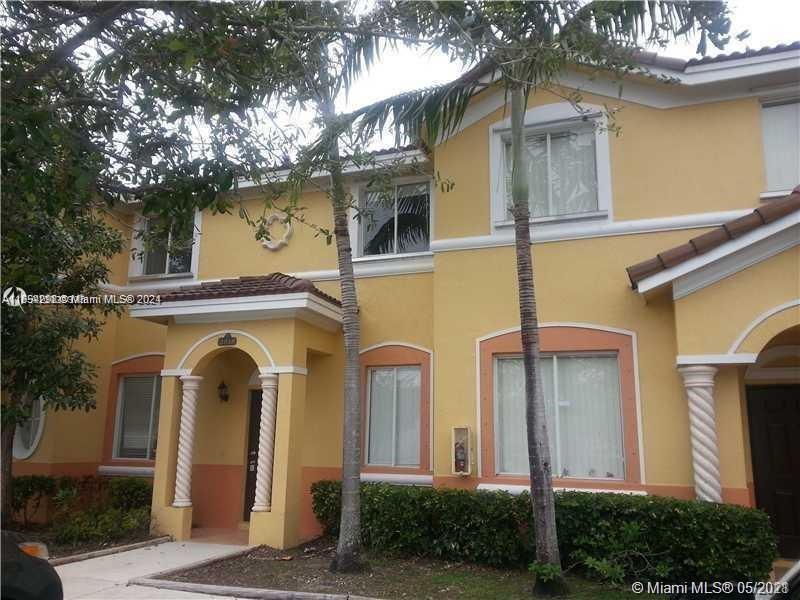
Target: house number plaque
226,340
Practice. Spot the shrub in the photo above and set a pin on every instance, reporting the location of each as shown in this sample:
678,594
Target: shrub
612,536
103,526
28,492
128,493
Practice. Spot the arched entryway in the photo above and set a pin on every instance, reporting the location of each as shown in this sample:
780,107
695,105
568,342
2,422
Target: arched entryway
773,406
220,465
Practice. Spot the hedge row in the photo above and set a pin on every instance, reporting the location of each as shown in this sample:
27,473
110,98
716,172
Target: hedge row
615,536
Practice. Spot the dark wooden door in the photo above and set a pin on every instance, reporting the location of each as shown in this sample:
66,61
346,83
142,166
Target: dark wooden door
252,453
774,412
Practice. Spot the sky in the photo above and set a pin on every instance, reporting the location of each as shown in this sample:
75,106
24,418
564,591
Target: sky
770,22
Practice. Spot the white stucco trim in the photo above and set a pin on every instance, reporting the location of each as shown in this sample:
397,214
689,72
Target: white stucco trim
397,478
377,266
402,157
395,343
283,369
637,388
516,490
760,319
731,264
303,305
175,372
139,355
696,84
219,333
715,359
125,471
577,230
715,254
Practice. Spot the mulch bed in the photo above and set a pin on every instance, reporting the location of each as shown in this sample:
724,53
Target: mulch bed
305,569
40,533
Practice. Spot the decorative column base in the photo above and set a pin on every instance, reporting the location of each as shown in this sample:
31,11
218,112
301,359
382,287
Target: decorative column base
699,383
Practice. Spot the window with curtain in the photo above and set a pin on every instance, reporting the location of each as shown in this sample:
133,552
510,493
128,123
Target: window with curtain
137,416
562,172
28,433
171,255
394,398
396,221
583,412
780,125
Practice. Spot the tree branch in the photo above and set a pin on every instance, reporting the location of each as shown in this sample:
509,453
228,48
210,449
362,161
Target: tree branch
63,52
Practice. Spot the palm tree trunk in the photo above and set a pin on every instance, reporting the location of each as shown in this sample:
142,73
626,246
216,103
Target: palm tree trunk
543,502
348,549
6,447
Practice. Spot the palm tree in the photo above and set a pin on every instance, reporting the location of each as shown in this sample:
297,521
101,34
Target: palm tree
525,46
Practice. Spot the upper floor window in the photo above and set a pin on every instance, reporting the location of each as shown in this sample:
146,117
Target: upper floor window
396,221
583,412
170,253
781,131
137,417
561,173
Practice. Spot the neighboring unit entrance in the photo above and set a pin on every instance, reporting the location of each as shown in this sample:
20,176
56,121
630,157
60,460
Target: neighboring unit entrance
252,453
775,441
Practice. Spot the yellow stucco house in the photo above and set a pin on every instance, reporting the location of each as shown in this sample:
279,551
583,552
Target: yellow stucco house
667,264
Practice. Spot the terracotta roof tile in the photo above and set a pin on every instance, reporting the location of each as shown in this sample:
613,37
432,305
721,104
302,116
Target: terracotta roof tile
773,210
746,54
260,285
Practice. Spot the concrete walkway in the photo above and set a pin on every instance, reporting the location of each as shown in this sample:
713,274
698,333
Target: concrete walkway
105,578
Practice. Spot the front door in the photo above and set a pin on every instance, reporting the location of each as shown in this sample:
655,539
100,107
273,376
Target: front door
252,453
774,412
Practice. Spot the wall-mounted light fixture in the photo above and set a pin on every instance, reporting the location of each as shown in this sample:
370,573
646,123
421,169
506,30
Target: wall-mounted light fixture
223,392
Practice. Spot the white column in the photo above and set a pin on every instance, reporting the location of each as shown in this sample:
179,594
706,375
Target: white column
266,442
183,472
699,383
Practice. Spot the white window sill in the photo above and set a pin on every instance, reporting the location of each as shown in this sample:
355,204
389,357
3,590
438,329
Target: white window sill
391,257
515,490
397,478
556,219
160,277
771,195
124,471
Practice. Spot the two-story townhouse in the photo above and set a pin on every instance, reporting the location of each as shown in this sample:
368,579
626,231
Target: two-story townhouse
668,276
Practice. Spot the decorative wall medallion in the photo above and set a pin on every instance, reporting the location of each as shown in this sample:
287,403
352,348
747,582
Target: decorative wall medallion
275,243
226,340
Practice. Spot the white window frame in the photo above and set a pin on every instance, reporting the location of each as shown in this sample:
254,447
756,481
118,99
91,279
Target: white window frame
20,453
137,258
393,464
118,418
556,460
359,193
551,118
768,103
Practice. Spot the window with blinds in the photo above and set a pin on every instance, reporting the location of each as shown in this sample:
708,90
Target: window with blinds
137,417
562,172
583,412
393,403
780,124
